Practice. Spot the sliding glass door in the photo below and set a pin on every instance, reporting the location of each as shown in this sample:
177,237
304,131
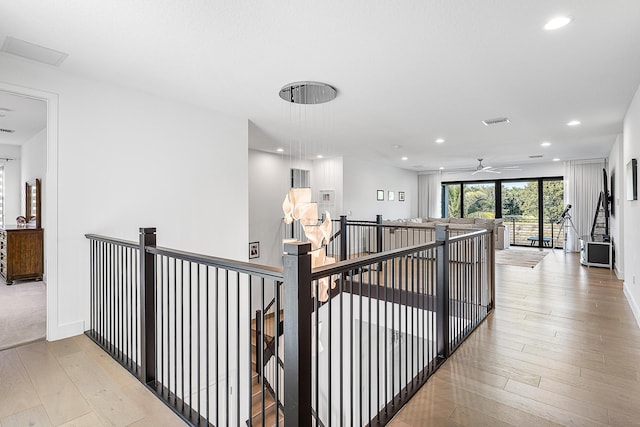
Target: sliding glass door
479,200
530,207
451,201
520,211
552,207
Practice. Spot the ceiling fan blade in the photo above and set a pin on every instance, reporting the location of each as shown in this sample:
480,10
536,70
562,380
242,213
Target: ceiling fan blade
491,171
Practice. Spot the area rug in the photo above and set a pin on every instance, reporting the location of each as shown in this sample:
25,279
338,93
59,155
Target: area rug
23,308
520,257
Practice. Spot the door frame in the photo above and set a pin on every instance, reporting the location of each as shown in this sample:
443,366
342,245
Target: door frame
54,330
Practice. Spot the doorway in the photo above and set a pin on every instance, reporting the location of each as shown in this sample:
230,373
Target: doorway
49,169
23,146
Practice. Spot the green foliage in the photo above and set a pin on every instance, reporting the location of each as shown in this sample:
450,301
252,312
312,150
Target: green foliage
553,200
452,193
479,200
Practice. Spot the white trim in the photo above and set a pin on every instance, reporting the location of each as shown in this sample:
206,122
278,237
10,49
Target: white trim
54,330
632,302
66,330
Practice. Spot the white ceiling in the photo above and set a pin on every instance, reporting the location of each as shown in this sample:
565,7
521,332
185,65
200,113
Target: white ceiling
407,72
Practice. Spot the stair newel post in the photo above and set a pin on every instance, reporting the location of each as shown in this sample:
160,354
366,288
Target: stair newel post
298,309
343,237
147,306
442,290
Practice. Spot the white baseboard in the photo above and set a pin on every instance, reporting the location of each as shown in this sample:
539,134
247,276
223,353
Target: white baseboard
632,303
65,330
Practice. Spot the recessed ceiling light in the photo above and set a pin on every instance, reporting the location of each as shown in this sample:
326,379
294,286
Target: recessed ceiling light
557,22
439,141
573,123
396,146
405,158
441,168
545,144
319,156
280,150
556,159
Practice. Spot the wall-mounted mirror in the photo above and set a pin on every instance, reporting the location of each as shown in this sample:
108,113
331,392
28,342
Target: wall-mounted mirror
33,206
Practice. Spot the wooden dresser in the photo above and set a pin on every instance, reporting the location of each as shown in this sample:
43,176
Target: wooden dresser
21,254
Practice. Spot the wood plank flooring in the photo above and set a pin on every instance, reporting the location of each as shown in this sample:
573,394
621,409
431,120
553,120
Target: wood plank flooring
561,348
72,382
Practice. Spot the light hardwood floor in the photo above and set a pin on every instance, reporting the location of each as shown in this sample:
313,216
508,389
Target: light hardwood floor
562,348
72,382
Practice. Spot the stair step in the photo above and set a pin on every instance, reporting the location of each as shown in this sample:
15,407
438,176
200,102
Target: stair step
270,408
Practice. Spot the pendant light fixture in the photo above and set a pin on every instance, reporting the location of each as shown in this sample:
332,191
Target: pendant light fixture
297,204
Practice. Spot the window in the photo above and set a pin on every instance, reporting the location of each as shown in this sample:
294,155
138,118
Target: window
479,200
451,200
531,207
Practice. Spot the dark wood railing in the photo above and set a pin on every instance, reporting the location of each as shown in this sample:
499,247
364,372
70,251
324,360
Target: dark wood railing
185,324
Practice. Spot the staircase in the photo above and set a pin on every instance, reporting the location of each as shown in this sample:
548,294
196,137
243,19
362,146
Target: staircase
271,411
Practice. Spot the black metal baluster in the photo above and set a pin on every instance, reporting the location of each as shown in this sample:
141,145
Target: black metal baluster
217,343
199,338
190,370
277,352
238,349
226,340
207,362
175,332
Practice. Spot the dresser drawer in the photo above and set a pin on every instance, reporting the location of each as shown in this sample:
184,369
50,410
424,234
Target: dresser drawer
21,253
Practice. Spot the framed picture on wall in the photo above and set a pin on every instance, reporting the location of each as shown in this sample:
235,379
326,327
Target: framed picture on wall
401,196
632,180
392,196
254,250
380,196
327,197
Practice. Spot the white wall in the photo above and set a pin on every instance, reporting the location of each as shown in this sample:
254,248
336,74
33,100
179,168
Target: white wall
327,174
127,159
269,182
12,183
616,172
363,179
34,166
631,150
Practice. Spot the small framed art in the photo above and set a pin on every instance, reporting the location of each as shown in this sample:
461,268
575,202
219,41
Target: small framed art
327,197
392,196
401,196
254,250
380,195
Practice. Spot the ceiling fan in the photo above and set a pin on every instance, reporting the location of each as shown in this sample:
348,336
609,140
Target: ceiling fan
483,168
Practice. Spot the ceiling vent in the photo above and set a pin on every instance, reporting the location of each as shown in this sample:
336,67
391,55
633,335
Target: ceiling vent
537,156
495,121
33,52
7,130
